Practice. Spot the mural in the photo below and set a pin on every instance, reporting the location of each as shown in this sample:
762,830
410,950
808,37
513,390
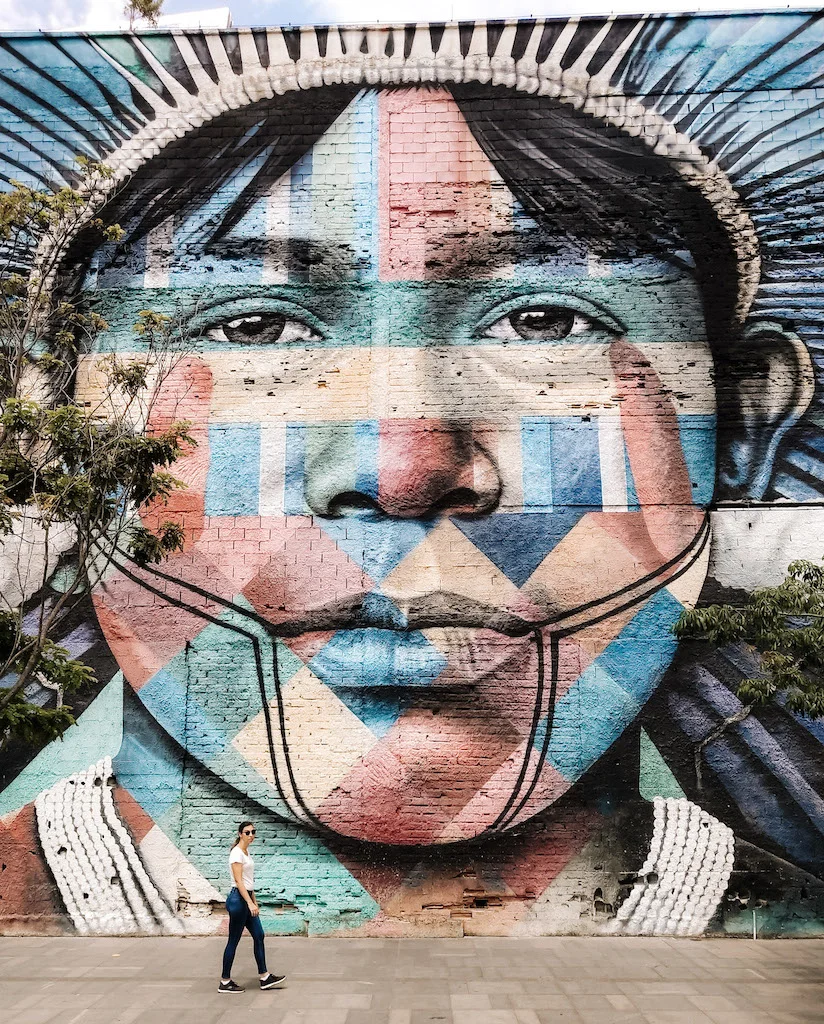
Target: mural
507,347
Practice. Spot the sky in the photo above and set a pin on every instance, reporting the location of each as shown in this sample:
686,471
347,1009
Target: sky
101,14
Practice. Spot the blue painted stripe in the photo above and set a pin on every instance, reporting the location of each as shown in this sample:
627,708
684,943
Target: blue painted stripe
233,483
149,765
367,436
172,705
796,490
697,432
609,693
638,657
811,464
536,459
576,462
294,502
766,748
590,716
752,786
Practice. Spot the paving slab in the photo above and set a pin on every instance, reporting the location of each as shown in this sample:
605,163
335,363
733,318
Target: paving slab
400,981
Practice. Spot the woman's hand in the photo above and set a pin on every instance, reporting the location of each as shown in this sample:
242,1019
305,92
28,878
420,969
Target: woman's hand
254,909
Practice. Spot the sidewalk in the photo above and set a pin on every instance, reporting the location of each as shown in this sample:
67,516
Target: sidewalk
389,981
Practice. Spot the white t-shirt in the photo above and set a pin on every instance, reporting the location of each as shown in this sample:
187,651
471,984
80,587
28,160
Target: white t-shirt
237,856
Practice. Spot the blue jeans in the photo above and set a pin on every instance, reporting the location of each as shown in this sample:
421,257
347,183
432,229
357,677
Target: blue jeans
240,917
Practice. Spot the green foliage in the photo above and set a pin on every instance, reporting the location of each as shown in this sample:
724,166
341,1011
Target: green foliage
143,10
31,723
146,546
55,670
785,624
88,468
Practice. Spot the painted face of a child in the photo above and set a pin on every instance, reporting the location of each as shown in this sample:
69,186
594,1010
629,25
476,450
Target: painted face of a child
446,499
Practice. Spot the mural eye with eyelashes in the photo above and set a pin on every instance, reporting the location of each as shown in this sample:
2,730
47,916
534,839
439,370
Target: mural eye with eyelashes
264,328
543,323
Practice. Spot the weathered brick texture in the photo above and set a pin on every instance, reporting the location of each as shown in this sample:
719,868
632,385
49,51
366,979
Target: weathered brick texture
502,346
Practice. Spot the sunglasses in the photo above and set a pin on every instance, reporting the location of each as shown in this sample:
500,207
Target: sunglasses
250,832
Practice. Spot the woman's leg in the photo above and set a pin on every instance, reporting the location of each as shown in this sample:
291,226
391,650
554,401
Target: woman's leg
256,931
238,912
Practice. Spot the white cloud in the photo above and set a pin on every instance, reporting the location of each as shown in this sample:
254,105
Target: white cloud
402,11
108,14
53,15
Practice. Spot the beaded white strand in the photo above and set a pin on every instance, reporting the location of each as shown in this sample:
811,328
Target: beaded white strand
684,875
104,886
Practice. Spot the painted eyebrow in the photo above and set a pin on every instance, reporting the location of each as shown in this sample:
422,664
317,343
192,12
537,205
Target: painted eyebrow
301,255
485,247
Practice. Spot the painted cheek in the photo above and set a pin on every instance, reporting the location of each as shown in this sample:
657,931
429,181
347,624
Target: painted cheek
185,395
631,487
667,492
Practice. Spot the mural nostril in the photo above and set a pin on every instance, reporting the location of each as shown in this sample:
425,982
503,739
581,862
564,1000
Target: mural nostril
352,503
461,501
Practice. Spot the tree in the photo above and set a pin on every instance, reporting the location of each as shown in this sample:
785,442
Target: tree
73,477
143,10
785,626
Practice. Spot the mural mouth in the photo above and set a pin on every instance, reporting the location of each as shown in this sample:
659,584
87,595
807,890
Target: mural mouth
440,661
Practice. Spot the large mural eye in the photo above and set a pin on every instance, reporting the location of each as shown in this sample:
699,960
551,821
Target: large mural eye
263,328
544,322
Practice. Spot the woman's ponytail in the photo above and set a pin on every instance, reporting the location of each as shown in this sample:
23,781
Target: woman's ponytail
240,828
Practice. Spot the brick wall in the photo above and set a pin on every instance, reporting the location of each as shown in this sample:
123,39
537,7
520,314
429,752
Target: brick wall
500,347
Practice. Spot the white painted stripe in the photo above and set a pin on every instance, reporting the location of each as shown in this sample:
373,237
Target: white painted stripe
217,52
484,383
272,468
510,467
166,77
552,63
201,79
276,258
620,51
613,465
530,55
248,53
589,51
157,103
159,251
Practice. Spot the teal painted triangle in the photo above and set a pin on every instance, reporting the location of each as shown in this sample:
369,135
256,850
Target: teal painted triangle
97,734
654,777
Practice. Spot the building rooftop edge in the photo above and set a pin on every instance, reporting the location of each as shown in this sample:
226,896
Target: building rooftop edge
359,26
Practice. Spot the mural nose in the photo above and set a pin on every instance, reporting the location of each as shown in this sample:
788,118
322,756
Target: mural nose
416,470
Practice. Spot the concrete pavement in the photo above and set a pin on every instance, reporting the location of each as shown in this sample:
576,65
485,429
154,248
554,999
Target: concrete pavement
416,981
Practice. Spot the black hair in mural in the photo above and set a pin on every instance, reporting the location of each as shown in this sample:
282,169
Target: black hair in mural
268,138
580,176
577,176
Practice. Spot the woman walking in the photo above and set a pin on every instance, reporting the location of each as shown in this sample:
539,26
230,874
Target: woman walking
244,913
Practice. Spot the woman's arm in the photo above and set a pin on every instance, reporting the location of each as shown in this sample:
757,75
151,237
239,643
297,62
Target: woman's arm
237,874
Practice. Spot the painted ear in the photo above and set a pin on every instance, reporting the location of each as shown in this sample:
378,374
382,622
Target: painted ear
769,385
